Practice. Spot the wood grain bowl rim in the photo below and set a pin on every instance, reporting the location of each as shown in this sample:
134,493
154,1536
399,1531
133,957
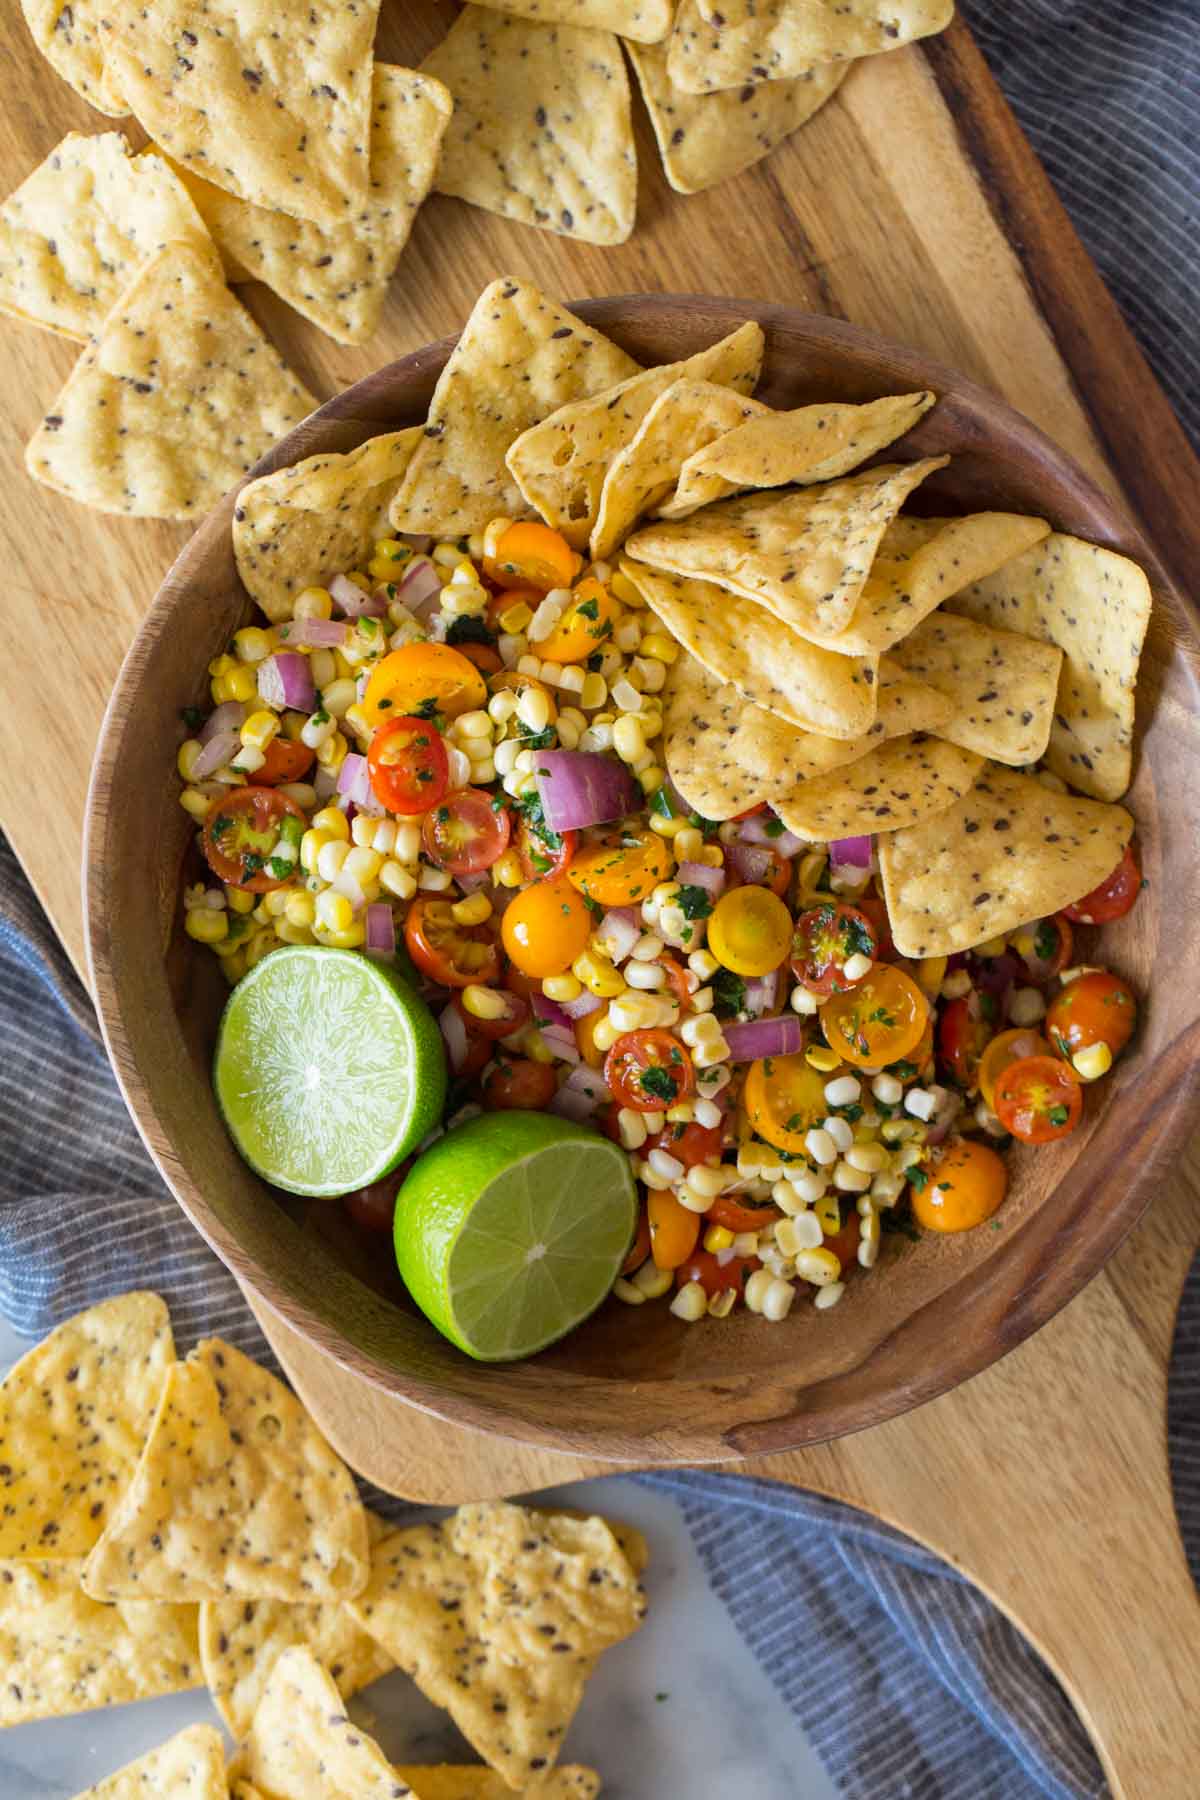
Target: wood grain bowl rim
1061,1255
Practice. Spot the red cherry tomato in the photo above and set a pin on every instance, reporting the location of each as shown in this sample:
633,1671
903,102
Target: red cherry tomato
1051,951
688,1144
517,982
479,1054
677,980
874,909
408,765
486,660
1038,1099
734,1215
963,1036
825,938
453,955
373,1208
516,1084
284,760
844,1243
1115,895
516,1015
543,852
640,1248
714,1277
240,832
751,812
466,833
1096,1008
648,1071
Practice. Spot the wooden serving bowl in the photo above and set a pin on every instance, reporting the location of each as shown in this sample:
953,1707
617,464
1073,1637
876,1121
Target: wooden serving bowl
638,1386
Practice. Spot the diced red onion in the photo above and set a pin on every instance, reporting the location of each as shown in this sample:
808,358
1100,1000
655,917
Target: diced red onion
229,716
315,634
354,785
347,886
764,828
850,853
948,1110
561,1043
585,1004
471,883
381,930
420,587
216,753
700,875
454,1036
583,787
749,864
620,930
762,994
549,1014
353,602
285,680
782,1036
324,782
580,1095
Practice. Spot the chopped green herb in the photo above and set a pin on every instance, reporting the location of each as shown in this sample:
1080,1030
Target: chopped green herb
729,993
693,901
774,827
588,609
661,803
466,630
594,661
659,1082
536,740
917,1176
192,717
902,1070
1058,1115
279,868
427,708
1045,941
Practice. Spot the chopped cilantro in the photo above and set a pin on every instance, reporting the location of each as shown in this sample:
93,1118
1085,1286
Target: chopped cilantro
386,705
693,901
536,740
774,828
918,1177
729,993
252,863
902,1070
594,661
427,708
588,609
698,822
662,804
465,630
659,1082
192,717
1058,1115
593,906
320,717
899,1222
852,1113
279,868
1045,941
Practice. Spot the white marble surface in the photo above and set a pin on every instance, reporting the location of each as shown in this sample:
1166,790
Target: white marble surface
679,1710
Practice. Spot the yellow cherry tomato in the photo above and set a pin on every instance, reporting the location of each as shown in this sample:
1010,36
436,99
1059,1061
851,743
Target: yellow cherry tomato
620,868
963,1190
545,928
421,679
750,931
879,1021
532,555
673,1229
784,1097
1007,1047
586,625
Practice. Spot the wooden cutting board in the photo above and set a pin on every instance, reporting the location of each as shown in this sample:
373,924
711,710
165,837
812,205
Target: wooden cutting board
911,205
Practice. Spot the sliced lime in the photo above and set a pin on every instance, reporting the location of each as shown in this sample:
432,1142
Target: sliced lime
328,1069
512,1229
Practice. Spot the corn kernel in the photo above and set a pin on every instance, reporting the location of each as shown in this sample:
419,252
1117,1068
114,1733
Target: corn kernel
353,938
1092,1062
628,1292
332,753
196,802
483,1002
334,912
718,1237
242,683
239,900
311,846
629,740
821,1267
653,1281
363,865
206,925
476,909
507,870
824,1060
300,910
186,756
333,822
660,646
690,1303
604,1035
313,603
594,691
397,880
259,729
562,987
598,975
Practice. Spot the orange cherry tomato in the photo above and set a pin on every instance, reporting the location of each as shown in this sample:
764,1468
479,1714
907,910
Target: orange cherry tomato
485,659
585,625
963,1191
515,1016
730,1212
585,1037
501,602
689,1144
783,1098
546,927
825,938
544,852
621,867
451,954
716,1277
878,1021
1096,1008
844,1243
517,982
408,765
639,1250
963,1035
677,979
532,555
649,1071
1115,895
1007,1047
519,1085
1039,1099
284,760
673,1229
423,679
240,832
465,833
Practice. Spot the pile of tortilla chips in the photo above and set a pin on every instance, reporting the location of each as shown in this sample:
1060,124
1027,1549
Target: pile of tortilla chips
167,1524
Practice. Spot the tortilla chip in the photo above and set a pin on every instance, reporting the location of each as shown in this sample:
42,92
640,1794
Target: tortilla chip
642,21
707,138
920,562
772,40
1011,851
1002,685
337,275
76,231
520,356
770,666
1095,605
542,129
444,1782
175,401
273,106
74,1413
811,444
189,1766
803,554
900,783
560,463
451,1605
301,525
71,36
646,470
236,1492
303,1745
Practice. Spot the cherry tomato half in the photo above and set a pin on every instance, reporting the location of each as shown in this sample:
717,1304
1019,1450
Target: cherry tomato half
734,1215
546,927
716,1277
423,678
451,954
965,1188
674,1229
519,1085
485,659
1115,895
1045,948
874,908
240,832
1096,1008
1007,1047
585,625
639,1250
784,1097
825,939
544,852
408,765
1038,1099
465,833
621,867
677,980
765,868
515,1017
877,1022
689,1144
532,555
649,1071
284,760
750,931
963,1035
844,1243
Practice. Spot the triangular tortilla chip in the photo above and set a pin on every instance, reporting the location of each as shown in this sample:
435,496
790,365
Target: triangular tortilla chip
810,444
1011,851
642,21
299,526
1002,685
520,356
1095,605
543,128
804,554
76,231
303,1745
236,1492
770,40
71,36
448,1602
707,138
646,470
74,1413
338,275
560,463
771,666
899,783
62,1652
442,1781
175,401
189,1766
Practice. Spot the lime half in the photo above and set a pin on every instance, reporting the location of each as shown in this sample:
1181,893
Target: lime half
328,1069
512,1229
